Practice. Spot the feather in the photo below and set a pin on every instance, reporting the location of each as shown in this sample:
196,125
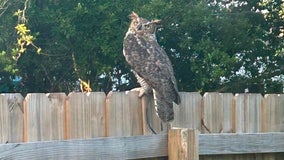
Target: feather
151,65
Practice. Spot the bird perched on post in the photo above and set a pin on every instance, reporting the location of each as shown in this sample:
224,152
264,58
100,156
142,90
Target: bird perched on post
151,65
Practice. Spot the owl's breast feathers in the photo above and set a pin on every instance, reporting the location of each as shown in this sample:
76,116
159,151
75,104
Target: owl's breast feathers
151,63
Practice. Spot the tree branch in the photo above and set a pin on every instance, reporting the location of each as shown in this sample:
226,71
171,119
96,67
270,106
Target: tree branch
3,7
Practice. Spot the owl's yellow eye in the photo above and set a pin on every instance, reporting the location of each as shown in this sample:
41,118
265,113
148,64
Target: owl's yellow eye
147,26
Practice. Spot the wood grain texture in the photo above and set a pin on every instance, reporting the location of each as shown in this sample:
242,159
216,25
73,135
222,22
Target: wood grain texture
15,122
230,143
217,117
124,114
44,116
212,113
248,113
86,115
38,126
4,120
80,116
188,113
183,144
227,102
112,148
273,119
273,113
57,108
143,146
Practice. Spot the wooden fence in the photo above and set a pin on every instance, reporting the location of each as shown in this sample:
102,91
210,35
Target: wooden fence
57,118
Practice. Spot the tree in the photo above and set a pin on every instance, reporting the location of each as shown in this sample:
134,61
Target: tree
87,30
225,46
8,68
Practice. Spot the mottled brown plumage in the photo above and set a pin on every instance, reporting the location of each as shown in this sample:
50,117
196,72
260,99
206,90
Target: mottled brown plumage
151,65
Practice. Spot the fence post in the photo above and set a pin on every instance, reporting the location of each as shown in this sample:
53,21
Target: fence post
183,144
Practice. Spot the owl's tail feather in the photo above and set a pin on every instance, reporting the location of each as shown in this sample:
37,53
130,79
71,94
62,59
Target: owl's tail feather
163,108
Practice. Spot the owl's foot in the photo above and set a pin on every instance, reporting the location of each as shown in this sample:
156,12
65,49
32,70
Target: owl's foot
141,91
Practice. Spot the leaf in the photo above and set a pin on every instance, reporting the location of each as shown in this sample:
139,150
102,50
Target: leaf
18,12
38,50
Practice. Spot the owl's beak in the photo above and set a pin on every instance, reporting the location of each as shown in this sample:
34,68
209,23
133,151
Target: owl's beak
157,22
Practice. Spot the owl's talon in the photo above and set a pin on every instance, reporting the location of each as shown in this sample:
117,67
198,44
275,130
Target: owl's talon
135,89
140,90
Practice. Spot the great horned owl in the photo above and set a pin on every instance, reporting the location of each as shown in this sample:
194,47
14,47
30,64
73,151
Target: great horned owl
151,65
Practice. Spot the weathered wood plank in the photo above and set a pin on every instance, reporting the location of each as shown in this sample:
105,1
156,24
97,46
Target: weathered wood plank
13,105
212,115
116,148
142,146
124,114
4,120
227,102
183,144
217,117
217,112
230,143
85,115
273,118
57,114
37,123
188,113
248,116
44,116
248,113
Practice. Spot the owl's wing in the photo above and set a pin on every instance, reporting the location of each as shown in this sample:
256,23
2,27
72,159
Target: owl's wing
152,64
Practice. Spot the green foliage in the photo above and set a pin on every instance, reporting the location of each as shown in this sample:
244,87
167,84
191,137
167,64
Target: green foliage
225,46
8,68
24,40
210,45
273,11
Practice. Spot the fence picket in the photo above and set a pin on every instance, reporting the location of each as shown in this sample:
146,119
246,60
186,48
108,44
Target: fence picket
57,107
85,114
44,116
124,114
273,119
248,113
212,113
273,113
55,116
188,113
15,116
4,120
216,116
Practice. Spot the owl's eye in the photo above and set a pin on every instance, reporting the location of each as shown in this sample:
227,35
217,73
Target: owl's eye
135,22
147,26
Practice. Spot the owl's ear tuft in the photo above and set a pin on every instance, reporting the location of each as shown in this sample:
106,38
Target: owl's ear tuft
133,15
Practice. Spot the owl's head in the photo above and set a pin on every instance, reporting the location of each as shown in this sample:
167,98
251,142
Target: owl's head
143,26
